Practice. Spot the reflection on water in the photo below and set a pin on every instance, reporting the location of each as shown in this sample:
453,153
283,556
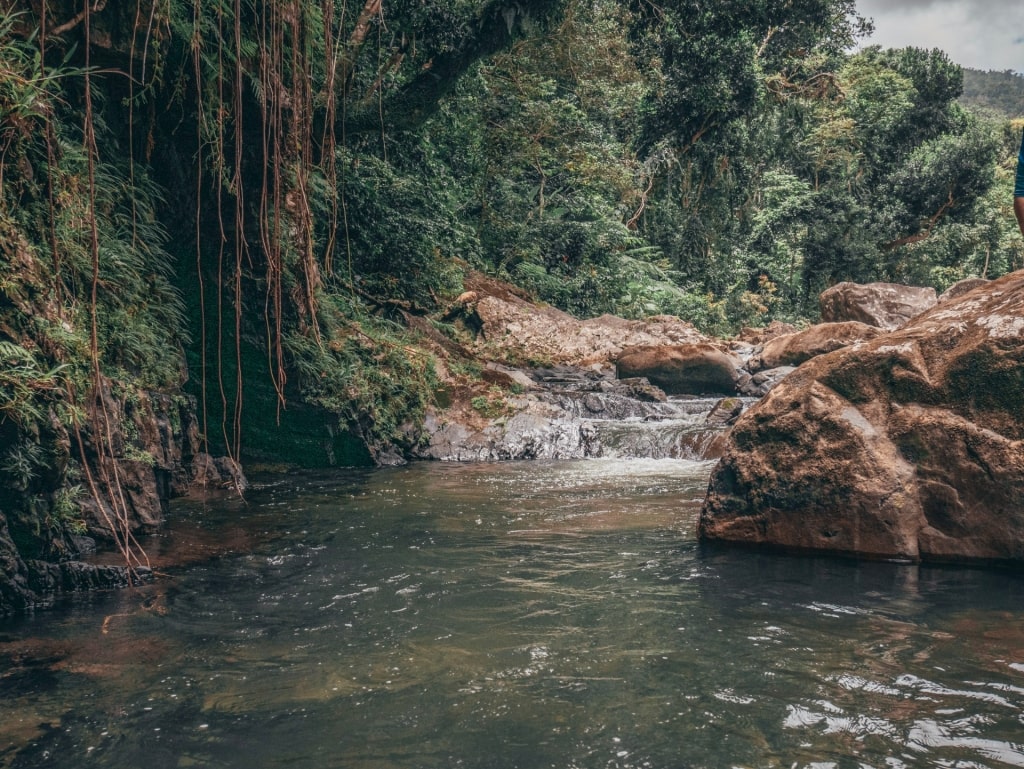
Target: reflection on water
517,615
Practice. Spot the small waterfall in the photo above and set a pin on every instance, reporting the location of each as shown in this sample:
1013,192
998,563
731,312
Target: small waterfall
685,438
579,416
616,427
618,424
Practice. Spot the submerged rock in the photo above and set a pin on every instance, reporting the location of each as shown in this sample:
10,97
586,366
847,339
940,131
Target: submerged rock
29,583
910,445
885,305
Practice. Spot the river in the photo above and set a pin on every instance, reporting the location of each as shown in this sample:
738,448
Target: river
525,614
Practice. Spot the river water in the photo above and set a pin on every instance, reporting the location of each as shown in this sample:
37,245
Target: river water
535,614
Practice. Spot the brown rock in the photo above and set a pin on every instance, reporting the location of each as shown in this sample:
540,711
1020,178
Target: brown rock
764,334
885,305
725,412
960,288
523,332
691,369
508,327
910,445
794,349
217,473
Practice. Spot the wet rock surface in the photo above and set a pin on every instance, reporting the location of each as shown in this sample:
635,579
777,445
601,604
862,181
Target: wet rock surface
760,384
151,457
909,445
574,413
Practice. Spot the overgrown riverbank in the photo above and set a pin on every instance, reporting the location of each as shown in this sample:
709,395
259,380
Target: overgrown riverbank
250,231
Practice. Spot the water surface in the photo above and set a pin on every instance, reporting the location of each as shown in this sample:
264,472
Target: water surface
535,614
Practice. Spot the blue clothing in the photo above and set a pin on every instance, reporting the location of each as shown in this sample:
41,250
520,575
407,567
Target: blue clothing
1018,187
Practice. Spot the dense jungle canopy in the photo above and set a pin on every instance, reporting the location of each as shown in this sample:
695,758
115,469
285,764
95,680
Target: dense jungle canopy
256,201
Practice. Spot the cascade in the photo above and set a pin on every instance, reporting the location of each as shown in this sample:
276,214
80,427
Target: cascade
580,413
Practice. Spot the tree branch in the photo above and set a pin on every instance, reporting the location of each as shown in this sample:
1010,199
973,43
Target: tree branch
77,19
501,23
926,230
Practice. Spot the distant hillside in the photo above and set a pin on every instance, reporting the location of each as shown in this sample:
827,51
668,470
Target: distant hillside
999,91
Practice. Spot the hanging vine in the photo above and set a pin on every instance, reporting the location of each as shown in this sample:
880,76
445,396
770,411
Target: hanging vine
99,413
278,178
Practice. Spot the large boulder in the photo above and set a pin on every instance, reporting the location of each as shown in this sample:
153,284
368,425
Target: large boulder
910,445
510,327
794,349
885,305
689,369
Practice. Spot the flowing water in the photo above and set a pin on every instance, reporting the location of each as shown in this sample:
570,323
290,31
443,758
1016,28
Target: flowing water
533,614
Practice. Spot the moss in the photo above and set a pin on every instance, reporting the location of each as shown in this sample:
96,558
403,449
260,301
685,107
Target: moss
491,405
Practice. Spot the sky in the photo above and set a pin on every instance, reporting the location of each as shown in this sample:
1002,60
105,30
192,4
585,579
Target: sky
981,34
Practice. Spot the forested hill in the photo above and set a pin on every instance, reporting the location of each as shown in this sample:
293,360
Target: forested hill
269,205
1002,92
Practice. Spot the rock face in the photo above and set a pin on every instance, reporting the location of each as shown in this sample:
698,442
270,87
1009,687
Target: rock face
885,305
794,349
910,445
152,452
691,369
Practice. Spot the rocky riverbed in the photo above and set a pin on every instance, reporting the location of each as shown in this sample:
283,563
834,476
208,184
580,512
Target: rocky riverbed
893,429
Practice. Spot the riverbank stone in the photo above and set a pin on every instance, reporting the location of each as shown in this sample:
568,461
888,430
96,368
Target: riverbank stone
691,369
906,446
798,347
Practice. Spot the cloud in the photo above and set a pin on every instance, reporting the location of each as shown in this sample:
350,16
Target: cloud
974,7
984,34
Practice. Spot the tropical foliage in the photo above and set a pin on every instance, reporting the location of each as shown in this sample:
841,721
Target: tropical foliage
274,190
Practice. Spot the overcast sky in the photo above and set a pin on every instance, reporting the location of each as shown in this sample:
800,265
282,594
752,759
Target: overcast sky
983,34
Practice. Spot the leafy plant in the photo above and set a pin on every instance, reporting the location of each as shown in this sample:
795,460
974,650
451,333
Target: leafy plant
66,511
21,463
492,404
26,386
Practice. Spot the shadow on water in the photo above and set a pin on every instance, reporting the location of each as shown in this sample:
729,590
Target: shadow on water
542,614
